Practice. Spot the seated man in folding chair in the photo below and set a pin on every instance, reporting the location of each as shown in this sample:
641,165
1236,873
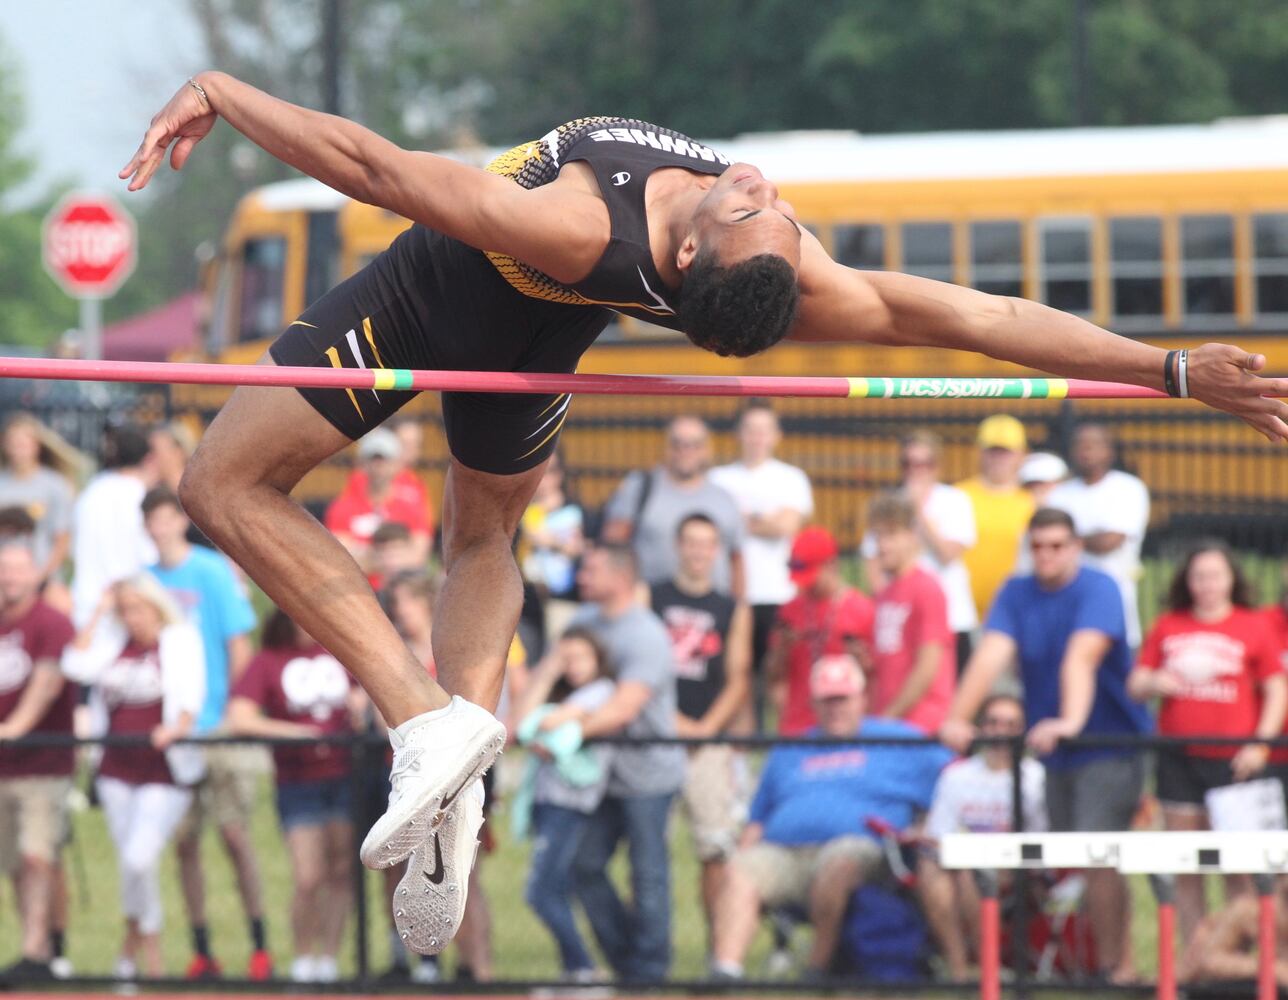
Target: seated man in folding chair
809,843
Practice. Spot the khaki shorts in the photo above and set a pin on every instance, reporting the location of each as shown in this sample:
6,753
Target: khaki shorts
226,795
714,800
784,875
33,819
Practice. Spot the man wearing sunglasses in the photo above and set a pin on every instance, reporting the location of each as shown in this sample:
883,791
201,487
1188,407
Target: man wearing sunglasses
1065,626
649,506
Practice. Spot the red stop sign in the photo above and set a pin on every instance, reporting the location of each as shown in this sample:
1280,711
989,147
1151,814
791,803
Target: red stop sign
89,245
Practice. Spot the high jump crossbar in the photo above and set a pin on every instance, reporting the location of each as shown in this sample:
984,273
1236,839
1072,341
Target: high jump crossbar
1162,855
386,379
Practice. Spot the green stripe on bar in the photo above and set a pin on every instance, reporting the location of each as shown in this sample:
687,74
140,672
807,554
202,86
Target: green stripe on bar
390,378
958,388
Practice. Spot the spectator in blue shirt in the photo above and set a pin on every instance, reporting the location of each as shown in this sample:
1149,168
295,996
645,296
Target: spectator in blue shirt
206,588
1066,627
808,842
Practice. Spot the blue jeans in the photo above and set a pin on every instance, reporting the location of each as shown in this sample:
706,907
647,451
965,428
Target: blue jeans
636,942
557,838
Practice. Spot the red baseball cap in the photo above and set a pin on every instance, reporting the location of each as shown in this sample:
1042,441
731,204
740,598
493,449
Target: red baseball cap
836,677
813,549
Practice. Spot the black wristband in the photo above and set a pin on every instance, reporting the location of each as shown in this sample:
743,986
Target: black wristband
1169,374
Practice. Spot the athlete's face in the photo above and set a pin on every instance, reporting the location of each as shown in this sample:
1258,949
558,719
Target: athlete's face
740,217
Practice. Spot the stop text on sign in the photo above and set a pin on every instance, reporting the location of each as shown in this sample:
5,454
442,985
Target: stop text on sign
89,245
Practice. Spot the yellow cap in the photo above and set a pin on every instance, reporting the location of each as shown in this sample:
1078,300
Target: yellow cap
1002,431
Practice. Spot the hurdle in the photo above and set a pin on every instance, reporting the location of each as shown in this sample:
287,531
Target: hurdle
1160,855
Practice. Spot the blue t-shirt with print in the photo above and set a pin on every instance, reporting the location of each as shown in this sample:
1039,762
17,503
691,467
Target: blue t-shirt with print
1041,622
210,594
810,795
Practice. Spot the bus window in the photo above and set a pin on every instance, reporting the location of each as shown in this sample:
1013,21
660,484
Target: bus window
323,262
1136,266
928,249
861,246
995,257
262,273
1207,265
1066,264
1270,245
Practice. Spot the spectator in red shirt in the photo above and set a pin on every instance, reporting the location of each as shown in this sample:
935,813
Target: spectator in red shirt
294,689
1277,616
33,783
1213,663
825,618
149,683
914,652
381,489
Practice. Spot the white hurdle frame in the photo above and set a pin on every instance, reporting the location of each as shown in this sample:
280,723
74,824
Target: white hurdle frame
1160,854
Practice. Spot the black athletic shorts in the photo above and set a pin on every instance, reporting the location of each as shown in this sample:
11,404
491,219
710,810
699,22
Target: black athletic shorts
431,302
1183,779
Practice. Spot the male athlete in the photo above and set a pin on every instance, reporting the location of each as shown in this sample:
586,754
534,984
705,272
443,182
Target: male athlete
518,268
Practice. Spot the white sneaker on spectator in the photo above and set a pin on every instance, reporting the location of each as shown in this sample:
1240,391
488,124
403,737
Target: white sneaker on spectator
62,967
325,969
436,756
429,902
125,968
304,969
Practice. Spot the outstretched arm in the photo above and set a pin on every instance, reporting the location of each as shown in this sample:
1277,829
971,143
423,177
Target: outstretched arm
550,229
839,303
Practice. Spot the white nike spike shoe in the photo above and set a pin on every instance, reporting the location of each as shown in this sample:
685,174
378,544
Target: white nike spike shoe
433,763
429,902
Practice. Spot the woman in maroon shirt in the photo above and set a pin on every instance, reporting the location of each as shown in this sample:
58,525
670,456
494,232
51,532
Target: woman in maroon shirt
150,684
294,689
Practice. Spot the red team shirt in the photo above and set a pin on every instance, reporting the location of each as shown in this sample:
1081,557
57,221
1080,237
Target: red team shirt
132,690
1221,665
909,613
353,513
308,686
822,628
40,634
1277,617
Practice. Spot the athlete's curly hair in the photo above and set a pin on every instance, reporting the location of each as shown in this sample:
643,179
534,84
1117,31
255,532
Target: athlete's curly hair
739,310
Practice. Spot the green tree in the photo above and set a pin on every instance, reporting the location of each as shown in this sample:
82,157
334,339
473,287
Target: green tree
34,310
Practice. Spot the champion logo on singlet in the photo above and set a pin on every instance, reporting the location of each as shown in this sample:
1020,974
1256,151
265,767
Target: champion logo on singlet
667,143
620,178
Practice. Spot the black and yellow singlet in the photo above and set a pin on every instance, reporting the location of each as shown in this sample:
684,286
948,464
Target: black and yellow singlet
431,302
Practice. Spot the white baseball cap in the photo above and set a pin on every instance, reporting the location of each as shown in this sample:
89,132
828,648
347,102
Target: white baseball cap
1043,467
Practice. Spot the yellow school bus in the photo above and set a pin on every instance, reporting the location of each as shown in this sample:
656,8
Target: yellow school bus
1169,232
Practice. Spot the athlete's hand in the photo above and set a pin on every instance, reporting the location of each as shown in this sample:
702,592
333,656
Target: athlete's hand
1225,377
185,118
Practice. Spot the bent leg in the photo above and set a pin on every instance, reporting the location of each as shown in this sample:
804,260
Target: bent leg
480,600
236,488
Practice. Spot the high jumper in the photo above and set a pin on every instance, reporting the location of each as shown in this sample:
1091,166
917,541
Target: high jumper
517,268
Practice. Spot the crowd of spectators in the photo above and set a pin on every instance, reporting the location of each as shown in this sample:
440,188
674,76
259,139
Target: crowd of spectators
701,603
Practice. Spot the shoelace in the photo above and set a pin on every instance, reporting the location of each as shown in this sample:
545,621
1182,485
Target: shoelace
405,759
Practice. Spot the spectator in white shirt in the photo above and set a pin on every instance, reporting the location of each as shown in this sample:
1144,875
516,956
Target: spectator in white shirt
1110,509
976,795
775,500
946,526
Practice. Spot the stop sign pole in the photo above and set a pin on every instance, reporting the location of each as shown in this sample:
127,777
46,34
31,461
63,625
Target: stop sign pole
89,245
